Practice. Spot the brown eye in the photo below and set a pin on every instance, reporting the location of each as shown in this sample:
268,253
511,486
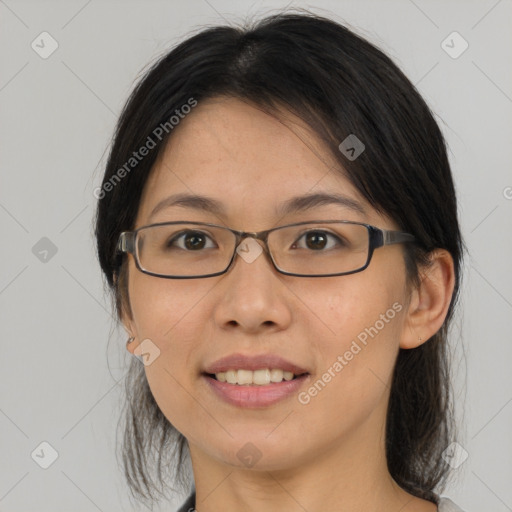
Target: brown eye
191,241
318,240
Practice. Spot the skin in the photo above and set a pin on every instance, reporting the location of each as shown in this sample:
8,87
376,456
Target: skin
329,454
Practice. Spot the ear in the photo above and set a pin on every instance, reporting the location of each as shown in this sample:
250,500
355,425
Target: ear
430,301
130,328
128,324
131,333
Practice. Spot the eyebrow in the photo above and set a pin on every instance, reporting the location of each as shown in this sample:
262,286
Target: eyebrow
293,205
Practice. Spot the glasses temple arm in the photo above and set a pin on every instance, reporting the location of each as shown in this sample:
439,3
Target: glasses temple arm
396,237
126,242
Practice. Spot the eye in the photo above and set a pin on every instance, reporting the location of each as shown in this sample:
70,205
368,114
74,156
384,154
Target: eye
191,241
317,240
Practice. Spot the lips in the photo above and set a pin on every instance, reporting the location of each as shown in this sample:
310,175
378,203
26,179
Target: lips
256,397
255,362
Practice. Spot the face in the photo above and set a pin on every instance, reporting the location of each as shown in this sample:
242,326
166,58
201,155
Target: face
343,331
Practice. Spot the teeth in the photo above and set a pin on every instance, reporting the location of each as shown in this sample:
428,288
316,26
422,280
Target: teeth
262,377
258,377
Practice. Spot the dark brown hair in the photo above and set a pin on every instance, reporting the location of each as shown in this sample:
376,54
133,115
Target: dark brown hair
339,84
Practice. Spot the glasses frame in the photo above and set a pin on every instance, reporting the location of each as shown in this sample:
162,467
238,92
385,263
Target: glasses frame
127,243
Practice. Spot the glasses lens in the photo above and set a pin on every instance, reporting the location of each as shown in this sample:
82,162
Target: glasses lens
320,248
184,249
192,250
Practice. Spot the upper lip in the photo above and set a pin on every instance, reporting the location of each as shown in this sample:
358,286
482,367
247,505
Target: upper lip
254,362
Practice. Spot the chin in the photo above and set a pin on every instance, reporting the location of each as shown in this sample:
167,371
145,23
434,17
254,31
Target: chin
257,452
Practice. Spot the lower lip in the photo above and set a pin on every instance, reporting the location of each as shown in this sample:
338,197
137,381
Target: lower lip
255,396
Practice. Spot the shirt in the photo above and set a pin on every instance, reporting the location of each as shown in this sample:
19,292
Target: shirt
445,505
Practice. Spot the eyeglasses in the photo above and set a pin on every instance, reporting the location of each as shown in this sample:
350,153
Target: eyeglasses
188,250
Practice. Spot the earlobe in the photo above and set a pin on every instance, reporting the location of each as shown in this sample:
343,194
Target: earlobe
130,345
430,301
131,334
130,331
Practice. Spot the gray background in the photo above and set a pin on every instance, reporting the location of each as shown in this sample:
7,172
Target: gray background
61,354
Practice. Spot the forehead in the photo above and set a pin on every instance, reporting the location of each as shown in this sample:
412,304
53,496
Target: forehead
250,160
229,133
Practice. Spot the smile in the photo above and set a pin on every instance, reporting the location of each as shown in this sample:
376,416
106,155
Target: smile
252,395
261,377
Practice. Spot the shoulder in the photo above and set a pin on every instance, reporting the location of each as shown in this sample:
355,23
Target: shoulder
447,505
190,504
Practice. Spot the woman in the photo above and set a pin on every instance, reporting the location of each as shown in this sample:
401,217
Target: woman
278,225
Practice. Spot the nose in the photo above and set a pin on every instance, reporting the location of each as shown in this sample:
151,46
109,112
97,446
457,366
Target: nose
252,293
249,249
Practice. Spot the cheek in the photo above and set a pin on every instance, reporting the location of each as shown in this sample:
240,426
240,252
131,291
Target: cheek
357,356
169,314
359,307
162,307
